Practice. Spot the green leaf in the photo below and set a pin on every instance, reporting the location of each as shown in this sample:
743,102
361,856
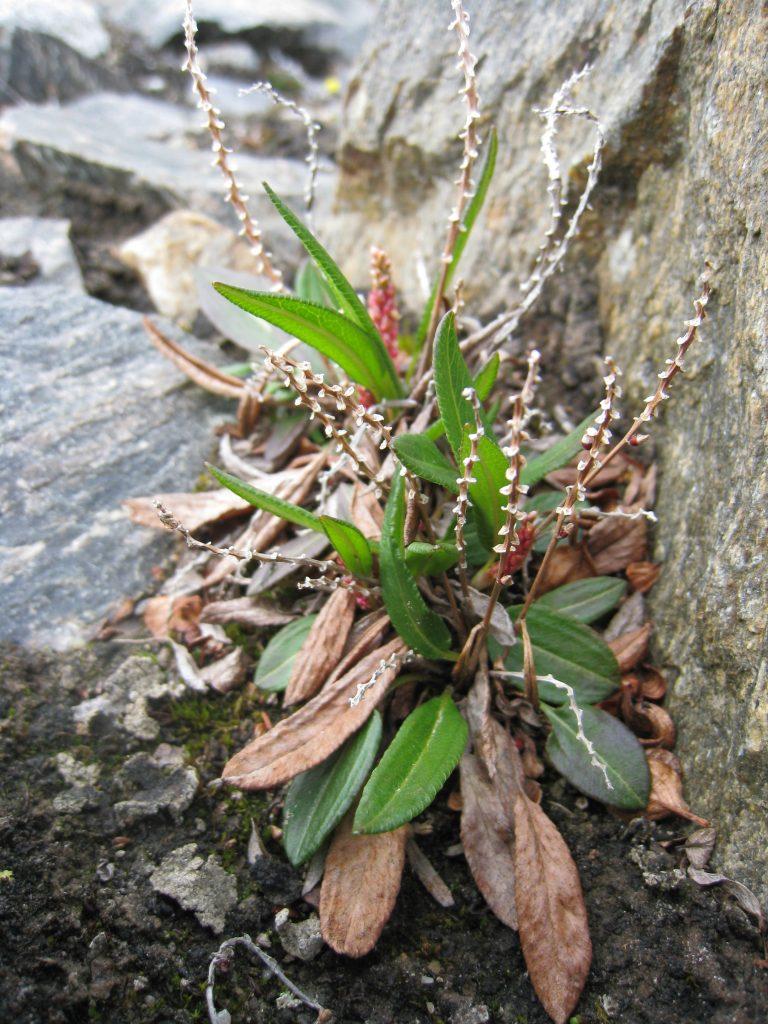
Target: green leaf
545,502
268,502
414,621
276,663
451,378
424,752
616,746
485,380
585,600
431,559
490,474
470,216
311,286
568,650
423,458
317,800
363,358
350,543
559,455
343,295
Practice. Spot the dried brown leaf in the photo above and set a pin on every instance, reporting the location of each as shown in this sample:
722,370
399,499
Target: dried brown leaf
654,685
554,933
194,510
743,896
427,875
313,732
245,611
642,575
202,373
667,788
632,647
615,542
487,835
616,468
360,886
631,615
651,722
566,564
362,644
164,614
226,673
699,846
321,651
366,512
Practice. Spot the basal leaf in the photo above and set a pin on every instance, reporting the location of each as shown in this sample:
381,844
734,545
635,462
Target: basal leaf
470,216
268,502
424,752
617,748
485,495
585,600
350,543
485,380
274,668
547,501
317,800
363,358
431,559
415,622
344,296
568,650
559,455
311,286
423,458
451,378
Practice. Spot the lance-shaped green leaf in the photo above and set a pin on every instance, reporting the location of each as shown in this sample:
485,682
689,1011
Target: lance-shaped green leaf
276,662
470,216
424,752
363,358
311,286
585,600
352,546
485,494
317,800
451,378
559,455
547,501
268,502
486,378
431,559
615,746
423,458
344,296
420,627
569,651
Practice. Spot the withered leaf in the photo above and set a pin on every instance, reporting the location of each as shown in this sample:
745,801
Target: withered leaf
312,733
632,647
743,896
360,886
631,615
651,722
667,788
245,612
226,673
642,575
551,914
487,835
615,542
699,846
366,512
427,875
362,644
320,652
194,510
201,372
566,565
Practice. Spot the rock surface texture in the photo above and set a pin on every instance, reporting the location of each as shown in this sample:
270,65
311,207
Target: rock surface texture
680,89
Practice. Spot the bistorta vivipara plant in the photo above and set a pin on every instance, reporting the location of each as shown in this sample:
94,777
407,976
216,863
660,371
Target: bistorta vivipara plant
458,566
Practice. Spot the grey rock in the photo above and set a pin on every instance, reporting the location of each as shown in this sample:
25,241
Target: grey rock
37,67
90,415
680,91
301,939
156,786
123,699
48,243
81,778
153,160
77,23
202,886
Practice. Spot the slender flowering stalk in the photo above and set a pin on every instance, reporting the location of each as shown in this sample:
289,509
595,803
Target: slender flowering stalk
392,662
167,518
464,482
312,128
382,304
328,585
214,123
465,182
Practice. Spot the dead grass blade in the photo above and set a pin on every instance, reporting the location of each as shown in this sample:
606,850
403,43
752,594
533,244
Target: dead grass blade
322,648
317,729
487,835
245,612
552,917
194,510
425,872
202,373
360,886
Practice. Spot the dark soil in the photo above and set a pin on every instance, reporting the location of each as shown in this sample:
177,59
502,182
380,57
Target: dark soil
85,938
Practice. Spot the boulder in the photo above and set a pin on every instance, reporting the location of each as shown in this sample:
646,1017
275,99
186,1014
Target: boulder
679,88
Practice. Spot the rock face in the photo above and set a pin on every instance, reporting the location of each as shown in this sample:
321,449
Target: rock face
91,415
679,88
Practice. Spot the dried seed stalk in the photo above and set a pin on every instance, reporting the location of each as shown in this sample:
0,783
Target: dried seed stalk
464,482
